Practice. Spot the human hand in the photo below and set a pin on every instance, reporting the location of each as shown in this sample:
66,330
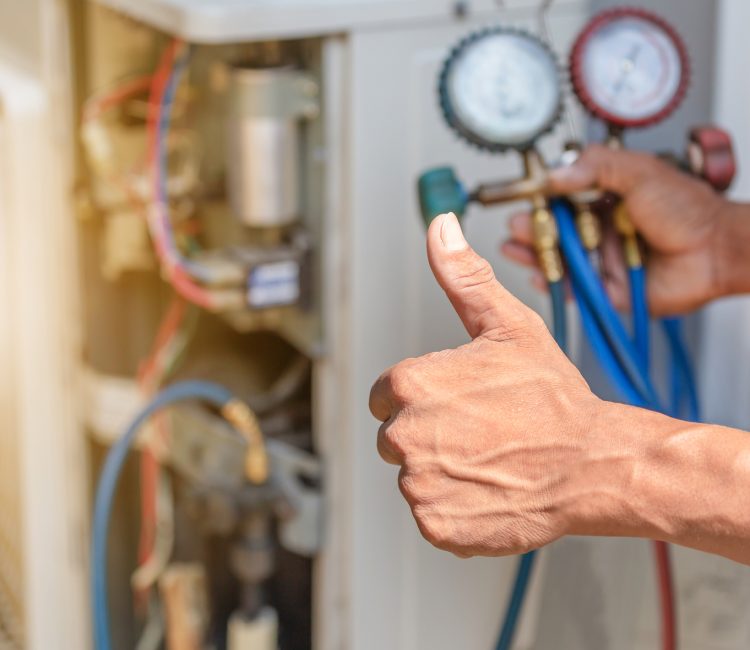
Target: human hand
680,218
497,440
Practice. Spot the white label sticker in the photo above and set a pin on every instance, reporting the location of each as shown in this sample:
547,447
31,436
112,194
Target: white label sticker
273,284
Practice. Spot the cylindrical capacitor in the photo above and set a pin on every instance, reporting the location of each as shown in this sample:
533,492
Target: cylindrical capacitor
264,149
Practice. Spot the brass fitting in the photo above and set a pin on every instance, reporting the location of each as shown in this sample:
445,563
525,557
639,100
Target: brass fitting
626,229
589,228
622,222
242,418
534,186
546,238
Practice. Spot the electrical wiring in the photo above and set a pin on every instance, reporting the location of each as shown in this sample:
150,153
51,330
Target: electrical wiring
153,630
151,375
182,273
97,142
283,387
163,85
208,392
154,368
156,536
95,139
526,562
99,104
146,575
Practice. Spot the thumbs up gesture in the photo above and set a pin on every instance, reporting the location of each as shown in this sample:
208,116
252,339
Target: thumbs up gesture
496,440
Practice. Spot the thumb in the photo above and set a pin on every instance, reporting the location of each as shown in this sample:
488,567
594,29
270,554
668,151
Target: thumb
481,302
618,171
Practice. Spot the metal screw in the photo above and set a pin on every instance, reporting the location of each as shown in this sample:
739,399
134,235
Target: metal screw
461,9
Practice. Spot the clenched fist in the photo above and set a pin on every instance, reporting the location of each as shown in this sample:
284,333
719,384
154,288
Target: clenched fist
498,440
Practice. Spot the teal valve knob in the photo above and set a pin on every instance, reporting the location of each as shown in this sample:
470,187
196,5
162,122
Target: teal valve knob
440,192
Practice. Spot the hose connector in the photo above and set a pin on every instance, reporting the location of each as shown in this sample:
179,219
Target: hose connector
242,418
546,239
626,229
589,228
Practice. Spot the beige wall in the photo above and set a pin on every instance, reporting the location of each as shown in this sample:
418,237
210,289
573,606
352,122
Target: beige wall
20,33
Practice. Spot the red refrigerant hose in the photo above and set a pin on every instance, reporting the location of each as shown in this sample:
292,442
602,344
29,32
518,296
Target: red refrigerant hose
667,596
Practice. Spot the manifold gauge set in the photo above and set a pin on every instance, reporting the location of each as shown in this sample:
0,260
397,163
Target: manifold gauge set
502,88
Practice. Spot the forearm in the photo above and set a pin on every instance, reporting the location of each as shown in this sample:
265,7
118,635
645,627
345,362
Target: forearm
683,483
733,250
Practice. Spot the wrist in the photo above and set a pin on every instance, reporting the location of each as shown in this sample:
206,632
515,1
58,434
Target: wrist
635,474
611,494
650,476
730,254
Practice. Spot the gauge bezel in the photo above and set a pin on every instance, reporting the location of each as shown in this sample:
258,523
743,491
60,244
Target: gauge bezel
467,134
577,62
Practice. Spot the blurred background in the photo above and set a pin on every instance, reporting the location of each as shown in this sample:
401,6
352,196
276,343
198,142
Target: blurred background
224,191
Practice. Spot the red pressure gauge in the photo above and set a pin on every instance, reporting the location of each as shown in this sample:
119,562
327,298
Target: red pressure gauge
630,68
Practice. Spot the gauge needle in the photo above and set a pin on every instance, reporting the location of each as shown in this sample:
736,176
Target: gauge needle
628,65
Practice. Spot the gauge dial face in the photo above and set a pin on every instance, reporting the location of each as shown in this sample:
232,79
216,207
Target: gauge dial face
630,68
500,89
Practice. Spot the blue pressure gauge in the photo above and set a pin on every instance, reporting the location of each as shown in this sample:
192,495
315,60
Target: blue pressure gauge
501,89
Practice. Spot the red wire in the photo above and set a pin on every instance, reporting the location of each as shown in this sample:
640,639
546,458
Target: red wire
667,596
102,104
98,105
149,463
178,277
167,329
158,86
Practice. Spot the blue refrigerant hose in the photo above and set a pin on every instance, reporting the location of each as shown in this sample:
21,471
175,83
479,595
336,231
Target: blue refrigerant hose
641,317
208,392
683,384
681,376
590,290
625,362
607,360
526,561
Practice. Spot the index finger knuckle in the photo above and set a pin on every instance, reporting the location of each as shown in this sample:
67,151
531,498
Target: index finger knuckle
401,380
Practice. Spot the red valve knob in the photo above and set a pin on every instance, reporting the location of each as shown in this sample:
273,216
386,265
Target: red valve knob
711,156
